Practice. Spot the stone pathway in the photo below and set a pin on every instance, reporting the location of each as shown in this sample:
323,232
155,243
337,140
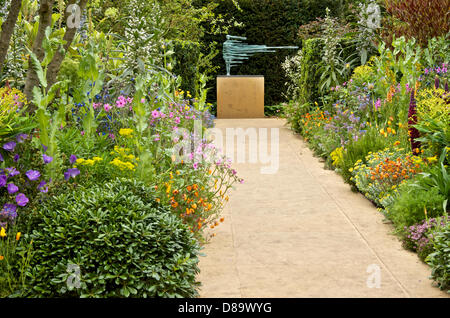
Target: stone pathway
303,233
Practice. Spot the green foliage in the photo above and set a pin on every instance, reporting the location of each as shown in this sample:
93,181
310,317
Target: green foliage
187,58
439,260
412,203
123,242
310,75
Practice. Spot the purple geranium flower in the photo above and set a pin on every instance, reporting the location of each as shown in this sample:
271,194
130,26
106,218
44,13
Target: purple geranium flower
1,158
21,137
9,210
44,147
72,159
16,158
47,159
42,188
9,146
2,181
21,199
33,175
11,172
12,188
71,173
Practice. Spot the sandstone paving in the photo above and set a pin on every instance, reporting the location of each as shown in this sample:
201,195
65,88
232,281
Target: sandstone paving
302,232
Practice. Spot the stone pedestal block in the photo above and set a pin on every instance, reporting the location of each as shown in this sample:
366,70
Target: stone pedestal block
240,96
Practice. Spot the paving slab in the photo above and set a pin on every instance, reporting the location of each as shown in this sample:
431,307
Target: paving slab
302,232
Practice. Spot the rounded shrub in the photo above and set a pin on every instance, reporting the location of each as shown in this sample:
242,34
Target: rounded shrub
111,240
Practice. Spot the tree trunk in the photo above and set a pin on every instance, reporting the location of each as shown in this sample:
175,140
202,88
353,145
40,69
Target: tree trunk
45,20
8,29
55,64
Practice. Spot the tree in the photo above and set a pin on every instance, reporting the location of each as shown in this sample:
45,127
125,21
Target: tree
71,28
45,20
8,28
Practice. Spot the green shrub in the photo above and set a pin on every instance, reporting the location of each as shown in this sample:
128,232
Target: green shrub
123,242
439,260
411,203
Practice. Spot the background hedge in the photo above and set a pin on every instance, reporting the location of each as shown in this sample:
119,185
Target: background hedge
186,58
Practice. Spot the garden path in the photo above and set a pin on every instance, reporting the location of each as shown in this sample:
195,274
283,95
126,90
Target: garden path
303,233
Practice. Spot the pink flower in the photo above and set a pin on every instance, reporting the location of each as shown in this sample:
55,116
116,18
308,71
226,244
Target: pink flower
155,114
195,165
107,107
177,120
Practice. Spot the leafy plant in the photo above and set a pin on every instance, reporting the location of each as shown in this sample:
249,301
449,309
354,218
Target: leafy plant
123,242
439,260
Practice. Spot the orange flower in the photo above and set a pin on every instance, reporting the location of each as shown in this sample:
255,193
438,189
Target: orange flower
174,205
2,257
175,192
222,219
189,188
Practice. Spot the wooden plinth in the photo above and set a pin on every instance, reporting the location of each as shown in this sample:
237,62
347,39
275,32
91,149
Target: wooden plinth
240,96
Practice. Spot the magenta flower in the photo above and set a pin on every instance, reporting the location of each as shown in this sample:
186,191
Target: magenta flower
195,165
107,107
47,159
9,146
33,175
12,188
155,114
156,137
21,199
177,120
377,104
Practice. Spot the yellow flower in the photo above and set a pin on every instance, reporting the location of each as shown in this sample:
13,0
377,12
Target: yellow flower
2,232
79,161
125,132
89,162
432,159
18,235
97,159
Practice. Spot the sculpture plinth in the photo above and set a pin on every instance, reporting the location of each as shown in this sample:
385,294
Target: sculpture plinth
240,96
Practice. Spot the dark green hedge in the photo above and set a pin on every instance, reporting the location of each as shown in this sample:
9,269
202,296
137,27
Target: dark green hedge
186,58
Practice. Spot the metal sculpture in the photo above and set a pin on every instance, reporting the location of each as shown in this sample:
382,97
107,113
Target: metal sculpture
236,52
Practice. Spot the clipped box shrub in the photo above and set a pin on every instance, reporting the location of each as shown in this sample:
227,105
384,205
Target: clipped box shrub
115,241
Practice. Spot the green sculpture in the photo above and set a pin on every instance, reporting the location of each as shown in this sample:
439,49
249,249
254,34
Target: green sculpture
236,52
